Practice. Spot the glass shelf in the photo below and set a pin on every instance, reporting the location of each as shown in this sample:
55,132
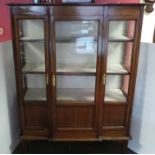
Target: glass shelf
115,95
75,95
116,89
75,88
119,57
35,94
76,69
34,87
76,55
119,38
32,55
116,69
75,38
32,38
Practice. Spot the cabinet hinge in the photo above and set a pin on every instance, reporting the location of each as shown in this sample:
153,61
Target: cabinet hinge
104,79
53,80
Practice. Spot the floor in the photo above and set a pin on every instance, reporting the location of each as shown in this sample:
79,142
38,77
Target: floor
45,147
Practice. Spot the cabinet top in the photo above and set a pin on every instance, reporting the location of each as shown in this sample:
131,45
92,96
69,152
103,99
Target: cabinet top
78,4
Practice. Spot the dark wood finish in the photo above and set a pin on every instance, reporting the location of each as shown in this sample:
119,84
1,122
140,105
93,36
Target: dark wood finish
78,4
35,116
30,10
124,11
87,73
114,115
74,117
106,147
149,5
74,120
77,11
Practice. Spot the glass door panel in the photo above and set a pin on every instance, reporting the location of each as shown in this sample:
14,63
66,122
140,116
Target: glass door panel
122,30
75,88
119,57
32,52
116,88
76,54
34,87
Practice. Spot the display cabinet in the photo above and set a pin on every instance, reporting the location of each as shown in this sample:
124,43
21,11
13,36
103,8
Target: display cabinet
76,69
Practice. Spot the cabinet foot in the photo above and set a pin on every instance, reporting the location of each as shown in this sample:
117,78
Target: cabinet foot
124,147
24,146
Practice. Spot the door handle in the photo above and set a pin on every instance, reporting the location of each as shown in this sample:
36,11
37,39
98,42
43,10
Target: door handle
104,79
53,80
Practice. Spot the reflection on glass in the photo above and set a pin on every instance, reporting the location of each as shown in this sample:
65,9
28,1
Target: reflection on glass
123,30
33,58
32,52
75,88
76,52
34,87
119,57
31,29
76,46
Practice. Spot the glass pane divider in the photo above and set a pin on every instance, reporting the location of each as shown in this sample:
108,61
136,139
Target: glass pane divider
120,40
117,73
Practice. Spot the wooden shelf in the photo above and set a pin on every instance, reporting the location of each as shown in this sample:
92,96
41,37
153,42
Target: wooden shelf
115,95
35,94
34,68
116,69
119,38
76,69
32,39
75,95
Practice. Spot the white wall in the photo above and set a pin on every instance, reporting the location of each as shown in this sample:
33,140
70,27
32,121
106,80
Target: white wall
143,117
9,120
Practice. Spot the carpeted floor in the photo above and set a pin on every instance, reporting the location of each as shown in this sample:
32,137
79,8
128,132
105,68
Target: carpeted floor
45,147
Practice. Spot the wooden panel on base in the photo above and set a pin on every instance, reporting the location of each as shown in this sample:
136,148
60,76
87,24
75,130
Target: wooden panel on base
75,122
36,132
114,115
75,116
114,134
74,135
35,116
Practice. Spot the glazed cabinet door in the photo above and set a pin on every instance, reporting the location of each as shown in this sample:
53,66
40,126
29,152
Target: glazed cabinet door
32,70
119,70
75,76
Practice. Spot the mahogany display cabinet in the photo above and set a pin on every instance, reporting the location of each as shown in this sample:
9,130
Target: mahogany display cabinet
76,69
